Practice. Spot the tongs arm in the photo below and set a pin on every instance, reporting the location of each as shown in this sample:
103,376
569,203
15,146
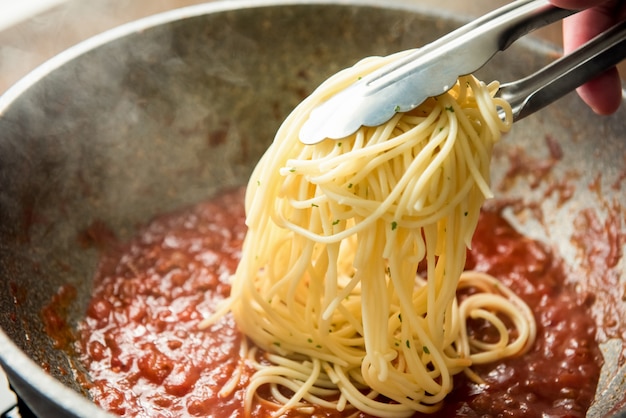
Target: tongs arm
429,71
471,46
562,76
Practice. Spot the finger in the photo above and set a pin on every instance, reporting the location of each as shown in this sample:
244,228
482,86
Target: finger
579,28
602,94
575,4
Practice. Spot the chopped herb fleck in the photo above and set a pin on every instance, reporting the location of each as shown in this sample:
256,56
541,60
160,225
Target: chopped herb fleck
394,225
291,170
426,350
338,144
400,317
408,344
396,109
450,109
318,346
350,186
465,213
310,340
314,205
277,344
335,222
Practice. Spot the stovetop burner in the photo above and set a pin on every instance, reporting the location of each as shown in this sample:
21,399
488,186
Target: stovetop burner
18,410
11,406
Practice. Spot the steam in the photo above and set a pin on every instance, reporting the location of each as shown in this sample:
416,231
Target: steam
33,31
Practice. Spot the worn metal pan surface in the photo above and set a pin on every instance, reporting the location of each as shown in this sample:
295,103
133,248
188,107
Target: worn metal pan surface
166,111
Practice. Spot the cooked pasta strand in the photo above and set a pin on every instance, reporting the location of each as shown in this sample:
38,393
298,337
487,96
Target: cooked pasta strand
327,282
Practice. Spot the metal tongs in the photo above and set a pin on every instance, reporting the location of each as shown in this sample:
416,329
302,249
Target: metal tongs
433,69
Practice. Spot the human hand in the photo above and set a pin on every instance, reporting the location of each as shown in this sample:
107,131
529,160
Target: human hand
603,93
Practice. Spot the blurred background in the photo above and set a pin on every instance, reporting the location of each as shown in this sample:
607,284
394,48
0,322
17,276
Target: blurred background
32,31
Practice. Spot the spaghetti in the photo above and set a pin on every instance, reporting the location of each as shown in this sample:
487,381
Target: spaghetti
327,284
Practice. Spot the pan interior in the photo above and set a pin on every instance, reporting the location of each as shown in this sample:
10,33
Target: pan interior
167,116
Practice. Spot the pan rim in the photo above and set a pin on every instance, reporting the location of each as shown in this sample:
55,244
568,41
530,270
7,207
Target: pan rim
12,358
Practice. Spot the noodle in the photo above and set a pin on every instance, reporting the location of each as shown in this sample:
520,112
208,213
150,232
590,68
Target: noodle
327,283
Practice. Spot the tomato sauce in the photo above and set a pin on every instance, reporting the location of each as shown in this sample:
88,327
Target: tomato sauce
145,356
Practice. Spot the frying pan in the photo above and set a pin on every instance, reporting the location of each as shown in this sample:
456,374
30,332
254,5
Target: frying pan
164,112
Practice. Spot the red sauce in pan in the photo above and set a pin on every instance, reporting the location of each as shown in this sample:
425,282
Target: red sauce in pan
140,344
